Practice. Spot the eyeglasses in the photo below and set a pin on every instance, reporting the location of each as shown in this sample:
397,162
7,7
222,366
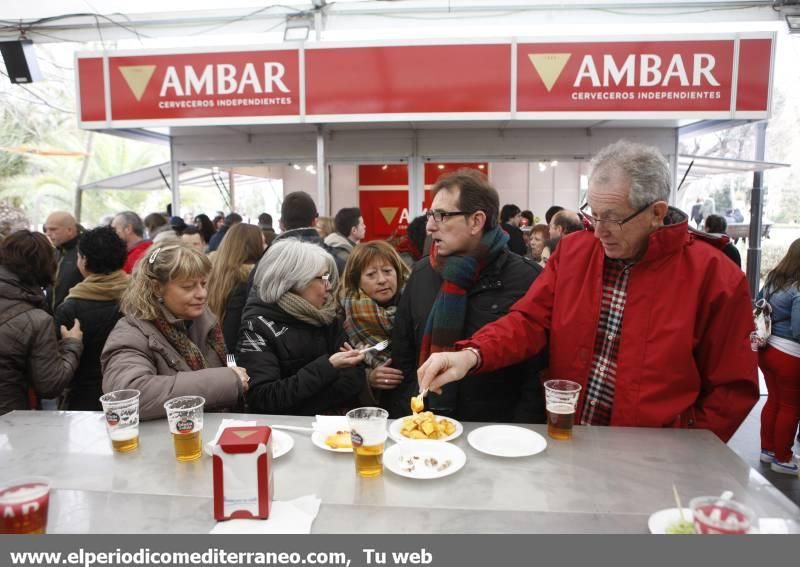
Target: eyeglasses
325,279
611,223
439,216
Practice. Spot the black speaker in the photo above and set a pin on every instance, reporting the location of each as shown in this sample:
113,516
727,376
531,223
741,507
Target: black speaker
20,60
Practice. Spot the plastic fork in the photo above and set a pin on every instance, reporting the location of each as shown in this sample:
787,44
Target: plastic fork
378,347
230,361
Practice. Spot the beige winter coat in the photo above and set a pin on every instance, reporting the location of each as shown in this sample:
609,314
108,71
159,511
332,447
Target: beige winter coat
137,356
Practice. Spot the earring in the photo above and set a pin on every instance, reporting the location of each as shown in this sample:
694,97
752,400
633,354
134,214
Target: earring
161,300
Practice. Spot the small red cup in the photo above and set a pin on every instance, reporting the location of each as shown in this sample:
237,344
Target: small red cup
23,506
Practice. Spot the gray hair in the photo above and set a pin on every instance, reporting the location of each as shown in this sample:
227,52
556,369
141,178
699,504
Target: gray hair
645,167
134,221
289,265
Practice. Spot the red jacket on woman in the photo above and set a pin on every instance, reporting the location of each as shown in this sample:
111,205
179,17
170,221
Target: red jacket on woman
684,357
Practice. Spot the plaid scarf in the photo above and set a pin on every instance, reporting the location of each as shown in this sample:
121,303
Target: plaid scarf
367,323
445,323
180,341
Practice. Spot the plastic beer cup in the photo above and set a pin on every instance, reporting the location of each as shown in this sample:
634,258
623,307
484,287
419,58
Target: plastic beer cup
23,506
368,436
715,515
185,417
121,409
561,398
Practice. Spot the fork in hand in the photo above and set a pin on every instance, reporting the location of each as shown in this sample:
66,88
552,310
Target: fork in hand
230,361
378,347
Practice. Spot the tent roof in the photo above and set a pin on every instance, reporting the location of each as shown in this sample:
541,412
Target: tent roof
704,165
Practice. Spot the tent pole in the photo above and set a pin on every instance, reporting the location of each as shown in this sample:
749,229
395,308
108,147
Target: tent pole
322,177
82,177
756,214
175,178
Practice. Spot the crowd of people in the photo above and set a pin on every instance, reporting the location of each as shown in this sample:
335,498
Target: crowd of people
479,304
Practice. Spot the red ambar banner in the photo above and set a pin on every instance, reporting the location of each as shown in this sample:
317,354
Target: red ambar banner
205,85
408,79
625,76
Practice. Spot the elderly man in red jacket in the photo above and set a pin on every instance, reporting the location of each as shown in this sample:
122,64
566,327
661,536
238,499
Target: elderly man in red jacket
649,317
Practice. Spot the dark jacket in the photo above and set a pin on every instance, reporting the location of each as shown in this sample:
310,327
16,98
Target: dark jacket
216,240
31,355
287,361
97,318
733,253
233,315
509,394
67,275
516,242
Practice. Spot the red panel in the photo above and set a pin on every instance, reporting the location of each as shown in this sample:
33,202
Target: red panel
408,79
433,171
572,88
752,91
393,204
382,175
90,81
241,84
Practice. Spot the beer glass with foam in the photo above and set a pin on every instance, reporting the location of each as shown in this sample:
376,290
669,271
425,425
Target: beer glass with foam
185,417
368,436
561,398
24,505
121,409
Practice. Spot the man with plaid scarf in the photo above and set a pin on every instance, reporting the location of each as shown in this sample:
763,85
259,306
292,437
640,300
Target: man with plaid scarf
469,279
646,314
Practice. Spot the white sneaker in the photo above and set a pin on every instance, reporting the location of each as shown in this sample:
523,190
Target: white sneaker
767,456
785,468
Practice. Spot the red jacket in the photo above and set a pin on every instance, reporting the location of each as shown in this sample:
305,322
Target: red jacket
134,254
684,358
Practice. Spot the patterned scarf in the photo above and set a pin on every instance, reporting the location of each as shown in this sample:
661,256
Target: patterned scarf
367,323
179,339
304,311
445,323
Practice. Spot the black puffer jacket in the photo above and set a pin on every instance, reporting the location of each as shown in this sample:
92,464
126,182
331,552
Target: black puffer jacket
233,315
67,276
31,356
510,394
98,319
287,361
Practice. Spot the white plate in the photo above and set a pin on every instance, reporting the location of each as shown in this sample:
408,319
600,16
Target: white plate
399,458
397,425
506,441
282,443
318,440
659,521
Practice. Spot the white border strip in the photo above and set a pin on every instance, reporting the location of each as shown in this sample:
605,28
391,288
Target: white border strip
513,78
301,69
774,39
107,89
734,76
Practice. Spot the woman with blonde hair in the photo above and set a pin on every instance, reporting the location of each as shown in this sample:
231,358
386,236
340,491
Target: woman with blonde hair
230,268
169,344
325,227
290,337
780,363
373,280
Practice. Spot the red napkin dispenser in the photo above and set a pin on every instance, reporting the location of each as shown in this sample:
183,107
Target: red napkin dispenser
243,481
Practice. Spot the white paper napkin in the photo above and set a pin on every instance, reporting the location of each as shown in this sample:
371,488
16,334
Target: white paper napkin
222,426
329,424
288,517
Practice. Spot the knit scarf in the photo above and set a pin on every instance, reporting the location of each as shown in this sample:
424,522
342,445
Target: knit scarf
368,323
445,323
101,287
304,311
178,337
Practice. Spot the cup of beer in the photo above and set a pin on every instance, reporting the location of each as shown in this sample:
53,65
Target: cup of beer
23,506
121,409
185,417
368,436
561,397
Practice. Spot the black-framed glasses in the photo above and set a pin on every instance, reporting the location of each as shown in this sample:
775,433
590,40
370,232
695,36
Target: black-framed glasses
439,216
613,222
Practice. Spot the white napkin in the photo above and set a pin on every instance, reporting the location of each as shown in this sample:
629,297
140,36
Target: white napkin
289,517
222,426
329,424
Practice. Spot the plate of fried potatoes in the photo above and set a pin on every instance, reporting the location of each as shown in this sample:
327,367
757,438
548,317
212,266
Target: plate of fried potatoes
425,426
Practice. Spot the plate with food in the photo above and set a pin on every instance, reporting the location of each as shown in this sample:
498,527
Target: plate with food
338,442
506,441
424,460
424,426
674,521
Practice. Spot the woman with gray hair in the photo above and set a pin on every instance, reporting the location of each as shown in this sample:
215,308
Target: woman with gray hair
290,337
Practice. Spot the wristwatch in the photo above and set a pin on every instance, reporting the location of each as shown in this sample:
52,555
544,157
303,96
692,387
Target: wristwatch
478,358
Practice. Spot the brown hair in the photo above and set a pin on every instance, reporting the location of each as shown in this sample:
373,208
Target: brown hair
787,272
241,247
160,265
476,194
30,256
325,226
543,228
362,256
